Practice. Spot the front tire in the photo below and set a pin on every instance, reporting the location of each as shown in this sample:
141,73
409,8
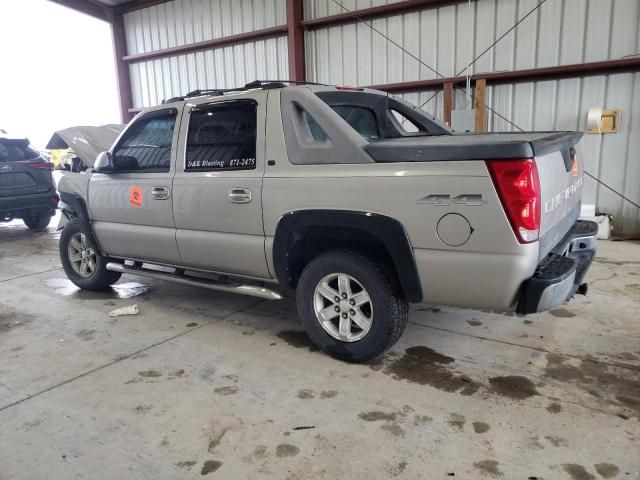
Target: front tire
348,306
38,221
82,263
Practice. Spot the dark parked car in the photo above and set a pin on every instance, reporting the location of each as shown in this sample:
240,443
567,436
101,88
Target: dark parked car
27,190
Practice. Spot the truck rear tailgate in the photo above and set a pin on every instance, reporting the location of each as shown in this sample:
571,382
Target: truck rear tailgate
554,154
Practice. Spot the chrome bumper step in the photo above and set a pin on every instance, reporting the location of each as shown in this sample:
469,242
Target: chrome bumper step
182,279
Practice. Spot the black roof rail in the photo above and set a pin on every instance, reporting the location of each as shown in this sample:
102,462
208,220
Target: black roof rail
264,84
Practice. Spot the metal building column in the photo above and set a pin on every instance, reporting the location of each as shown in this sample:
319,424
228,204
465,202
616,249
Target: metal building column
122,69
295,40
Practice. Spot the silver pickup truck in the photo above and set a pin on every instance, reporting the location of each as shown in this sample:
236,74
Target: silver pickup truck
356,200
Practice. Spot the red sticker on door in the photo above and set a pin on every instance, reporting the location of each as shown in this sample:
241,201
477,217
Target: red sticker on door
135,196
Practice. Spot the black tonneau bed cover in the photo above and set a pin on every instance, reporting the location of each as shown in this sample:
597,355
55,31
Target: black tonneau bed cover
471,146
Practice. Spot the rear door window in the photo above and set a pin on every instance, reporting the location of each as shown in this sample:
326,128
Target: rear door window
222,136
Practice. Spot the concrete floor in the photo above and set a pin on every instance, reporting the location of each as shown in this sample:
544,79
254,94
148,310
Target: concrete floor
202,383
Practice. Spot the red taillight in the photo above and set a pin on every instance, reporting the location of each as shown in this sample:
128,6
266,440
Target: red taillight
350,89
518,187
54,201
41,165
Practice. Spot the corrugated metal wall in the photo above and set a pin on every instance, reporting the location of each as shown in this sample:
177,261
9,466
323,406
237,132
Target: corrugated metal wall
446,38
560,32
183,22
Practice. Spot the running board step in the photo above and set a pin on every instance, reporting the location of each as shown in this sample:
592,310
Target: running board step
251,290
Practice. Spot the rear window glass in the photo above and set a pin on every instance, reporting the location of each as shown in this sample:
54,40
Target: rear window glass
15,150
361,119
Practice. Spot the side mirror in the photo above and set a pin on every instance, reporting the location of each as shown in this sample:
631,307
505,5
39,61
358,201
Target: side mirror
102,163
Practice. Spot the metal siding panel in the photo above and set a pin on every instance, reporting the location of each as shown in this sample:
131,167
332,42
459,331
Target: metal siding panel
624,26
465,36
598,30
446,41
411,42
485,34
544,108
615,146
526,36
334,53
349,55
630,213
573,31
548,33
522,108
592,95
396,57
379,51
504,52
428,47
364,54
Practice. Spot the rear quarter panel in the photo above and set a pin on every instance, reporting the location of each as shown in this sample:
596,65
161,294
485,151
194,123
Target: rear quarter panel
485,272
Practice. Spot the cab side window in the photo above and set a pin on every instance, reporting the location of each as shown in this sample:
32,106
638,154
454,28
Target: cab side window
146,146
222,136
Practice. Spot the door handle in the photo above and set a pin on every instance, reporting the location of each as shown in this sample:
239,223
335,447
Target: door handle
239,195
160,193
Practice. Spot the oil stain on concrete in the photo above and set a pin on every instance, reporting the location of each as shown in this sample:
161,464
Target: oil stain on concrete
554,407
11,319
210,466
230,390
480,427
513,386
298,339
457,421
621,385
425,366
562,313
577,472
488,467
377,416
607,470
85,334
286,450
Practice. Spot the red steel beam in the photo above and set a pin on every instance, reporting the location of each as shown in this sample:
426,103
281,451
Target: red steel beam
518,76
122,69
138,5
93,9
263,34
389,10
295,40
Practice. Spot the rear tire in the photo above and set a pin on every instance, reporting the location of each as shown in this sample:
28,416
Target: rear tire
81,261
343,286
38,221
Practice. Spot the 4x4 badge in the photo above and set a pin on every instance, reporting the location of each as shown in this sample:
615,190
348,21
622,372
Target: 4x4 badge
443,200
6,169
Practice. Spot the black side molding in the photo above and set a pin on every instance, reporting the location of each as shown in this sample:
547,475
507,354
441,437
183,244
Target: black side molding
293,226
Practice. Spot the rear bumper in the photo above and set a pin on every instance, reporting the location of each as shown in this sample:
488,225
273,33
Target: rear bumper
21,205
559,276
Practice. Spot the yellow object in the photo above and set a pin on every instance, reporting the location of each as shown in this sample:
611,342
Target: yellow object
56,156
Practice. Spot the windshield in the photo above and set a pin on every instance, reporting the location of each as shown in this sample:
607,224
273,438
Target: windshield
15,150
